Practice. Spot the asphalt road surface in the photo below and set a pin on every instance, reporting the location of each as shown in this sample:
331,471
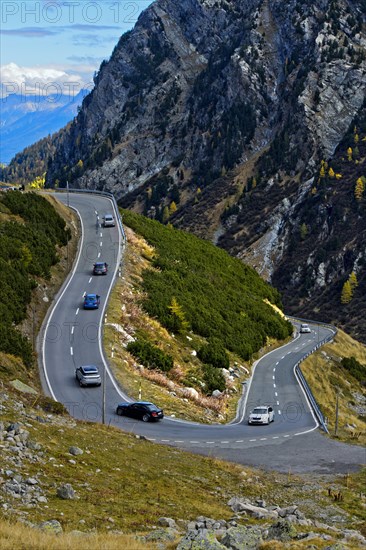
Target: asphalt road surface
72,336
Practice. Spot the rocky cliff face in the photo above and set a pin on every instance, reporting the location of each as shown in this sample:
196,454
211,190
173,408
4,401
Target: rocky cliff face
215,108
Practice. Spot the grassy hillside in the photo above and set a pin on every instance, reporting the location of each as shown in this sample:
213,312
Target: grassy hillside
216,296
327,376
31,230
124,484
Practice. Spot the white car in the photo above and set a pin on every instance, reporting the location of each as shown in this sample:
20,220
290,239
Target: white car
261,415
108,221
305,327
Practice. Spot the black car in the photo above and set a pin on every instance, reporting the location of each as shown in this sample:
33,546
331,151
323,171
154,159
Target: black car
100,268
142,410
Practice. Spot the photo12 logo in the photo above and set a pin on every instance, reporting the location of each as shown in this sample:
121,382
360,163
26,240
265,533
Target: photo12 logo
55,12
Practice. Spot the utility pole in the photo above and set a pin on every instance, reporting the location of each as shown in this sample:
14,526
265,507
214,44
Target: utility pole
336,418
103,398
68,199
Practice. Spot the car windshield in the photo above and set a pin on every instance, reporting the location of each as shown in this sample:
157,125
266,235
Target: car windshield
108,217
90,370
259,411
99,265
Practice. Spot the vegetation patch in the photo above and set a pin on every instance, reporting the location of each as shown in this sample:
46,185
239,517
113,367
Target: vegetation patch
218,296
31,230
335,374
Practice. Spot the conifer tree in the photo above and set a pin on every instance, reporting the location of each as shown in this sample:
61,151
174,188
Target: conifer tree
353,280
303,231
359,189
172,208
179,322
346,295
349,153
165,214
331,173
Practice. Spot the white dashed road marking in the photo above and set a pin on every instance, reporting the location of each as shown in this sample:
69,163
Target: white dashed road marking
77,311
98,254
72,330
101,243
90,280
71,351
279,412
276,394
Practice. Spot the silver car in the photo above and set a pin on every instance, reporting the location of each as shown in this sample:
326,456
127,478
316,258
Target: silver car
261,415
305,328
88,375
108,221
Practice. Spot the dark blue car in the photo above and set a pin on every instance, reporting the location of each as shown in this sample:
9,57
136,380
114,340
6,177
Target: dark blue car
91,301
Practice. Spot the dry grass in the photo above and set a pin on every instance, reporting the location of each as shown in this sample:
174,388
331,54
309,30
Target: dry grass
16,536
327,378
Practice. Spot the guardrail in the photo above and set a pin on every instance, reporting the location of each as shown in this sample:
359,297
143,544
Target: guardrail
102,193
315,406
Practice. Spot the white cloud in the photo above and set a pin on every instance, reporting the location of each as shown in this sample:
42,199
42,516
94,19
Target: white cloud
43,80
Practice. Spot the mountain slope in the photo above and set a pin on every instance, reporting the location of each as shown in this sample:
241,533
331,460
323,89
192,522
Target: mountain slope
216,115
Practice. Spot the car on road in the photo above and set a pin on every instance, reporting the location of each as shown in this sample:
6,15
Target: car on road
100,268
143,410
88,375
91,301
261,415
304,327
108,220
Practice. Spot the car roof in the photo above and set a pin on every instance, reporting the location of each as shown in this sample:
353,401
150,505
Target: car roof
138,403
89,368
99,263
108,216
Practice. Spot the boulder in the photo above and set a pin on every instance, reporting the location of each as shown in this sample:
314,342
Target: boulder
241,537
66,492
75,451
167,522
201,539
283,531
52,526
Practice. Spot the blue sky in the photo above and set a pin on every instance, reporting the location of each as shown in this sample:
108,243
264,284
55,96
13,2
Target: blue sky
49,44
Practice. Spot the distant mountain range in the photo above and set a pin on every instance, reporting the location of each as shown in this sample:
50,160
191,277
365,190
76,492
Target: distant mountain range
27,119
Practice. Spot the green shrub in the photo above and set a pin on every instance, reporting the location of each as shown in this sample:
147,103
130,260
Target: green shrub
12,342
51,406
218,296
27,249
355,368
150,356
213,353
213,378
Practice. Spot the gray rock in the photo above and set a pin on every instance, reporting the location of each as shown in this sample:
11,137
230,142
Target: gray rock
167,522
75,451
14,427
33,445
283,530
162,535
242,538
283,512
52,526
66,492
200,540
31,481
